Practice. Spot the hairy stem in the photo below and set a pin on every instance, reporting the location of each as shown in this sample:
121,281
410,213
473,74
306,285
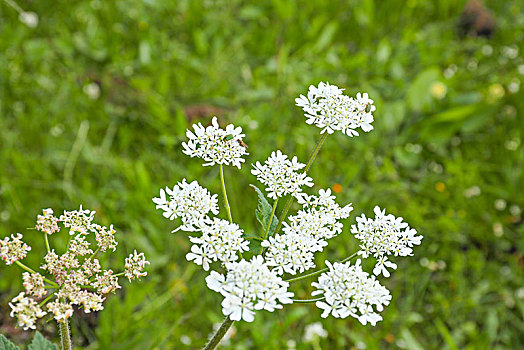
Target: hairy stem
65,337
308,165
219,334
318,271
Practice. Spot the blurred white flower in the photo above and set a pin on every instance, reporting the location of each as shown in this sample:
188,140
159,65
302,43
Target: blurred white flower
92,90
327,108
314,331
215,145
30,19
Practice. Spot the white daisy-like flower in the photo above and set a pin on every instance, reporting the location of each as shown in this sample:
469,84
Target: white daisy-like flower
189,202
383,236
215,145
329,109
26,310
349,291
280,175
220,241
249,286
306,233
14,249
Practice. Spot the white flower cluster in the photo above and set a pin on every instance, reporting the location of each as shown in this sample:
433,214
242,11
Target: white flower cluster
385,235
77,277
306,233
249,286
329,109
220,241
13,250
215,145
313,332
349,291
281,175
189,202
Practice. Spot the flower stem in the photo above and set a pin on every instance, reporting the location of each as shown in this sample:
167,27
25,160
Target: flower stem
270,219
219,334
46,242
28,269
226,202
94,254
318,271
47,299
306,301
65,337
308,165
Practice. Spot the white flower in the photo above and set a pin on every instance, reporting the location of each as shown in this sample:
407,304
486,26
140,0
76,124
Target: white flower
349,291
306,233
47,223
281,175
327,108
78,220
220,241
104,237
188,201
108,283
249,286
314,330
34,284
135,265
385,235
215,145
13,250
79,246
30,19
62,311
26,310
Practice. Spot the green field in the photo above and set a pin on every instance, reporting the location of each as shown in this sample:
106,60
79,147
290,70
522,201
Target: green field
95,101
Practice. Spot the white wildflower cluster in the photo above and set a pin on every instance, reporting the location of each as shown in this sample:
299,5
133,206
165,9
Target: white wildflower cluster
306,233
349,291
329,109
14,249
249,286
26,310
188,201
75,277
383,236
220,241
313,332
281,175
47,223
215,145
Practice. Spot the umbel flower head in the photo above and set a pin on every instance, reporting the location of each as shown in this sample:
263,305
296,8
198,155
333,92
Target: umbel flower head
349,291
72,278
215,145
249,286
329,109
383,236
281,175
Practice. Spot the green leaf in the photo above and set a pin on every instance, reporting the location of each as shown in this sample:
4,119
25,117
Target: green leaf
41,343
5,344
263,212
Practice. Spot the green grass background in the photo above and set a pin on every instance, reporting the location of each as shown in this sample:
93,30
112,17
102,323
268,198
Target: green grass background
439,163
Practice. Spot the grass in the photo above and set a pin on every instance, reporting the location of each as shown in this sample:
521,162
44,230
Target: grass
160,66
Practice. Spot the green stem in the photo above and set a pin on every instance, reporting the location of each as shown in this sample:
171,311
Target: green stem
306,301
254,238
226,202
46,242
308,165
119,274
219,334
65,337
28,269
94,254
47,299
271,218
318,271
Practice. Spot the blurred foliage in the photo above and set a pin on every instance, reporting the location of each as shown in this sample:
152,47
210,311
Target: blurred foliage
94,103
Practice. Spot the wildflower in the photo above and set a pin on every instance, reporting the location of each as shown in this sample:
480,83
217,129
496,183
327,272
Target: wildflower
215,145
281,175
313,331
62,311
188,201
135,265
327,108
28,18
249,286
385,235
104,237
26,310
47,223
34,284
108,283
78,220
348,291
220,241
79,246
13,250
